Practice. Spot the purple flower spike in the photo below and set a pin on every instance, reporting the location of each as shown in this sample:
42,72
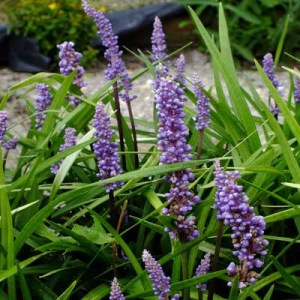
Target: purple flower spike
172,143
43,101
269,68
158,41
3,125
297,89
180,69
105,150
70,141
247,228
69,61
160,282
11,143
116,293
202,269
116,66
203,111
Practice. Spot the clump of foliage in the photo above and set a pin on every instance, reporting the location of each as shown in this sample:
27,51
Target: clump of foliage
209,208
51,22
254,26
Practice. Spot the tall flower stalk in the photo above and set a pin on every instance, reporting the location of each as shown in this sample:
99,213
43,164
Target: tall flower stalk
115,68
70,141
7,144
160,282
158,41
269,68
70,61
202,269
115,292
247,228
106,152
42,102
203,112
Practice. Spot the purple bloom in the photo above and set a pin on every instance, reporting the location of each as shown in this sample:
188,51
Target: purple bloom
69,61
158,41
247,228
180,68
116,66
3,125
105,150
172,143
42,101
297,89
70,141
203,111
160,282
11,143
269,68
202,269
116,293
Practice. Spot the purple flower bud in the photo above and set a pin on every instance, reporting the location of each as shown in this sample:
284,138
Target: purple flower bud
158,41
160,282
70,141
105,150
115,292
116,66
269,68
3,125
180,69
42,101
69,61
11,143
203,111
202,269
247,228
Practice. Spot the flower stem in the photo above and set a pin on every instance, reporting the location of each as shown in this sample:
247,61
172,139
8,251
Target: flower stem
184,262
200,144
212,284
120,126
135,144
200,294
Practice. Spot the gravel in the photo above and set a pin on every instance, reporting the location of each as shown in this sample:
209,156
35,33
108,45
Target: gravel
142,106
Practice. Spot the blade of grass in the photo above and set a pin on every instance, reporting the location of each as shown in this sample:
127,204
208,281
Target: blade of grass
7,259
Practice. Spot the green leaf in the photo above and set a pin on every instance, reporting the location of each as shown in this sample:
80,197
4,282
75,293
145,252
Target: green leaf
286,276
96,237
7,259
67,293
282,215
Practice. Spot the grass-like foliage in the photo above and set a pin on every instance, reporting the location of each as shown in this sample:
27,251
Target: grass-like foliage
65,234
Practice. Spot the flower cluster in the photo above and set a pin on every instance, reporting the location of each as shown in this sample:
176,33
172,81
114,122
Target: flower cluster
203,111
116,66
172,143
297,89
105,150
42,101
160,282
180,68
158,41
70,141
247,228
269,68
69,61
202,269
11,143
115,292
